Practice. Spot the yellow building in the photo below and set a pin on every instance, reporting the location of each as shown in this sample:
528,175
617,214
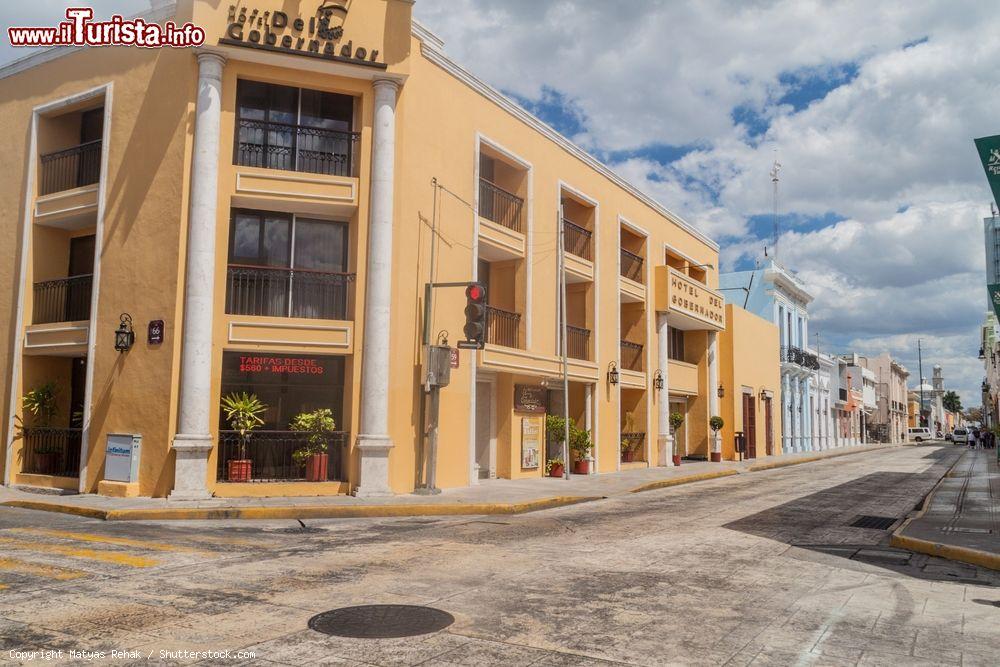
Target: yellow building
750,385
263,213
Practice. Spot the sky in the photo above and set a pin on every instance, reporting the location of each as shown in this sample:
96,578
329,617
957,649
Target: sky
870,108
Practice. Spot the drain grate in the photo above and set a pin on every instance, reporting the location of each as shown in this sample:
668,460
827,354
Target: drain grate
381,621
873,522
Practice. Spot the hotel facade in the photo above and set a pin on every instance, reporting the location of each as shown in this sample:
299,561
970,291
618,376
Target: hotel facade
261,215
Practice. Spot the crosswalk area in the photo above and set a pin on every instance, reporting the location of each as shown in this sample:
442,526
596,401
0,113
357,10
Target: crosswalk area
35,557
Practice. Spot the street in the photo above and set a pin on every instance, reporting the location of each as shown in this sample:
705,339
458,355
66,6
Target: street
759,568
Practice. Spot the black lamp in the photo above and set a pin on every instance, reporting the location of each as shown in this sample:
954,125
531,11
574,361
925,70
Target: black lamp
658,380
763,395
613,373
124,336
721,391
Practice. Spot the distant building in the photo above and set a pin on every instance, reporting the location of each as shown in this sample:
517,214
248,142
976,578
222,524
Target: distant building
889,420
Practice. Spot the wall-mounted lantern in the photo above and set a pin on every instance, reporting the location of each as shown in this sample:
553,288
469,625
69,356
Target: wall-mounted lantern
763,395
658,380
613,373
124,335
721,391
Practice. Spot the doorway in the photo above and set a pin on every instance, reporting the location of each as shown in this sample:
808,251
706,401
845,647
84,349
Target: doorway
750,424
680,435
768,426
485,431
77,391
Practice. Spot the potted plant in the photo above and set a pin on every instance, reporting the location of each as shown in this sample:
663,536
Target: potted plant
320,426
41,404
676,419
628,443
555,467
580,445
243,412
716,423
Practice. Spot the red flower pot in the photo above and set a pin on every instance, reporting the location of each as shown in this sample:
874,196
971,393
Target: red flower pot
628,456
677,459
581,467
316,466
716,457
557,471
240,470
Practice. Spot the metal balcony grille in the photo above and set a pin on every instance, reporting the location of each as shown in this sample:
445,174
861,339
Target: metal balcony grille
52,451
302,148
270,453
62,300
503,327
631,354
283,292
631,266
500,206
579,241
577,342
71,168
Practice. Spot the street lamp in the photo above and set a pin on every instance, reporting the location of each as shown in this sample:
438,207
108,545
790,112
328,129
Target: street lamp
124,335
658,380
613,373
721,391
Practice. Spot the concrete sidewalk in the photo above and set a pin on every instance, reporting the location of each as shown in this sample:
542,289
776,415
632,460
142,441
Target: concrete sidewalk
496,496
960,519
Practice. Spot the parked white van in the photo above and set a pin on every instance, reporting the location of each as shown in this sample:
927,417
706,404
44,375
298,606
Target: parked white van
919,433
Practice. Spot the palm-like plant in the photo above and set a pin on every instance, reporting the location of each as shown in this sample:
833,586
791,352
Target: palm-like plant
41,404
320,425
243,412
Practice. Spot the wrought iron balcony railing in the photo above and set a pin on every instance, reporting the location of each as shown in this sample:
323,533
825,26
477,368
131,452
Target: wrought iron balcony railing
502,207
631,266
51,451
632,446
272,455
503,327
577,342
62,300
579,241
282,292
631,354
71,168
302,148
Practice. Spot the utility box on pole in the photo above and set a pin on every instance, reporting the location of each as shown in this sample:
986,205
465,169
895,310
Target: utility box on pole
437,365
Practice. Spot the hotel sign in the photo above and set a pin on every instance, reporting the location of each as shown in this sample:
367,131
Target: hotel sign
319,36
989,154
690,297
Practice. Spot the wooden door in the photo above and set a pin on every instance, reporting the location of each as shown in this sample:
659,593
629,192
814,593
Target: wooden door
768,426
750,425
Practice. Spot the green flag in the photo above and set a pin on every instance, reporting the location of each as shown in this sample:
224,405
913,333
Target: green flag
989,153
994,291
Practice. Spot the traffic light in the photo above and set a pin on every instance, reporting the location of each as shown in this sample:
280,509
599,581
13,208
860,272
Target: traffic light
475,317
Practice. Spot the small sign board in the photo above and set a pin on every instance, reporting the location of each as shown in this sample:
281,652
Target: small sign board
454,357
469,345
529,398
530,439
155,336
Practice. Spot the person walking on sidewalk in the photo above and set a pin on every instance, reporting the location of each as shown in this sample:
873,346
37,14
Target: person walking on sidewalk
973,435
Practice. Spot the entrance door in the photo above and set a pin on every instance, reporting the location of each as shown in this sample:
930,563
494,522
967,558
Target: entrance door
680,435
768,427
81,263
77,391
750,424
484,428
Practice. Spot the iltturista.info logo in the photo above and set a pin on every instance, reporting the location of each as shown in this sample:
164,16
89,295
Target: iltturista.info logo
81,30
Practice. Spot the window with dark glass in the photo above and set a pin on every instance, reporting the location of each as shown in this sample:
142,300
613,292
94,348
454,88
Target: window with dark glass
295,129
675,348
283,265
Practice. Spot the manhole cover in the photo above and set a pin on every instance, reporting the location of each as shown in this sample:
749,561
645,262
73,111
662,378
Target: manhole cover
873,522
381,621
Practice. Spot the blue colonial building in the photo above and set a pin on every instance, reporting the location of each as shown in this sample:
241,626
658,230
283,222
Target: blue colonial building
776,294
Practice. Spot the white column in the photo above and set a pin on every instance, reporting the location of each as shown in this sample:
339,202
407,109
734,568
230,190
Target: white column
664,441
786,414
713,393
374,442
193,440
588,422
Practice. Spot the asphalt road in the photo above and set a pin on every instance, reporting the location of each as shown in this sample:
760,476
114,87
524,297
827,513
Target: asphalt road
761,568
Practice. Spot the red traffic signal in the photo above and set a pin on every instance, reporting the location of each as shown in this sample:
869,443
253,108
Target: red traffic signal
475,293
475,316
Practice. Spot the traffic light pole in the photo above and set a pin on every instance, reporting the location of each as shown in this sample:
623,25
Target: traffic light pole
564,338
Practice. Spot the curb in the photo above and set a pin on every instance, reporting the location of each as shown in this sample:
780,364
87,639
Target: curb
305,512
985,559
676,481
812,459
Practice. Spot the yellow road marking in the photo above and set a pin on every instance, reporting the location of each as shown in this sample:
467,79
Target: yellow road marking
74,552
39,569
90,537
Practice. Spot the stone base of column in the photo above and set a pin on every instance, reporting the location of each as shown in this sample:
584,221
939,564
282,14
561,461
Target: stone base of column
374,466
191,467
665,451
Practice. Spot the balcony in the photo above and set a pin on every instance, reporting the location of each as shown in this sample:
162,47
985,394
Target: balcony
577,343
631,356
579,241
272,456
70,168
301,148
499,206
503,327
62,300
51,451
283,292
631,266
